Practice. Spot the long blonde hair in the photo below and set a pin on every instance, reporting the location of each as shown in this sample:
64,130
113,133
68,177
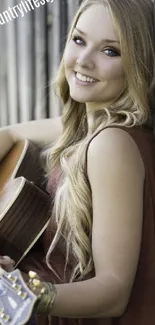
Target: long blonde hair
72,209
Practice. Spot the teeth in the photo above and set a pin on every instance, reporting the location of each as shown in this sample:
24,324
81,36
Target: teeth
84,78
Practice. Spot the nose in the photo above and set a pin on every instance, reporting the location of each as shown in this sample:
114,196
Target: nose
85,60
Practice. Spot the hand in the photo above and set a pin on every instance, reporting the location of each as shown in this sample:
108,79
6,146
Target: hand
7,263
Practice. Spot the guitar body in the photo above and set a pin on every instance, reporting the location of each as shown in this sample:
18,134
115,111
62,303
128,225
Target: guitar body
24,203
24,215
22,160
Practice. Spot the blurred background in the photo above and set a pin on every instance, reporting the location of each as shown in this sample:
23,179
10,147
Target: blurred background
30,52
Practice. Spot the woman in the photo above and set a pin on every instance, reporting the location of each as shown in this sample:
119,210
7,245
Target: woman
99,245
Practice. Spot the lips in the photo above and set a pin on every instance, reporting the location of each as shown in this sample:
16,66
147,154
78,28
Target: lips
87,76
83,83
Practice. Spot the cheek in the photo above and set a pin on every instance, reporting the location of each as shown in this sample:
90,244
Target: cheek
69,57
113,70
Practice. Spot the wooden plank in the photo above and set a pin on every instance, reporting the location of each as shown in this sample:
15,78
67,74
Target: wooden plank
72,8
11,68
40,63
53,20
3,75
29,58
25,68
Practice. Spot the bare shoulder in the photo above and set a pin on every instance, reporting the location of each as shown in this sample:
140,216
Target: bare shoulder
114,146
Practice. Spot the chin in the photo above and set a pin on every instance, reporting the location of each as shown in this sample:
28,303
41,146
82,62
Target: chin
80,99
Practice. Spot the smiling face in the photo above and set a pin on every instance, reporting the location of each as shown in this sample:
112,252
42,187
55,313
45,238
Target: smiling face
90,54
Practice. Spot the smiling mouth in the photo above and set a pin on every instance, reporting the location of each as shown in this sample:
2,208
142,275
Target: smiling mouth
85,79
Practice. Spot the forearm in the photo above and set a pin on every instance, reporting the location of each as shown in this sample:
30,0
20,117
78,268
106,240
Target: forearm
41,132
88,299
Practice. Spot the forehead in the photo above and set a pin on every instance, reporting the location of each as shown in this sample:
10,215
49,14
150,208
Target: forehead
97,23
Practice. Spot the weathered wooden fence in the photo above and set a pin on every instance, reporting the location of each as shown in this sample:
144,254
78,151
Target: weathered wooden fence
30,51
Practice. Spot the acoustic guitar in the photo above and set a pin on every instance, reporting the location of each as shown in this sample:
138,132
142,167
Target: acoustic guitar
24,204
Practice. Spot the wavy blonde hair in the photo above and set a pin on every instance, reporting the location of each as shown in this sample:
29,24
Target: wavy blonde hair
72,211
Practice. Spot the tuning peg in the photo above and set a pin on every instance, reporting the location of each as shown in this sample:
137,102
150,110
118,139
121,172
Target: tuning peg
12,278
17,287
22,295
5,317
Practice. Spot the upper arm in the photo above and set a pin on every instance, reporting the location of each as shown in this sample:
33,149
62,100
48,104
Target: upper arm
42,132
116,174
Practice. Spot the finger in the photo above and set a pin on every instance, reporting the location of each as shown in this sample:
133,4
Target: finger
33,275
35,284
7,268
6,260
6,263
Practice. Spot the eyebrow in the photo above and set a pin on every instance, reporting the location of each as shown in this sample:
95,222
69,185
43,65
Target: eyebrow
103,40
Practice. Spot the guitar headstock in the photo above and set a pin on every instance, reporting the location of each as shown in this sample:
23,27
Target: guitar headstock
16,299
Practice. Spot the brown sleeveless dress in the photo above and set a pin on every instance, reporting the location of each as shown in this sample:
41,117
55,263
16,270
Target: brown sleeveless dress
141,306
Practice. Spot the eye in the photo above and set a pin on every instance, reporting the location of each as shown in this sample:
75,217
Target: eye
78,40
112,52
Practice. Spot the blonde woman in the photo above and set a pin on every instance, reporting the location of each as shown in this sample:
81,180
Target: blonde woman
97,257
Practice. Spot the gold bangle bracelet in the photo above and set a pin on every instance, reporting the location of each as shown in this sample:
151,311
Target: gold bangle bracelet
46,300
